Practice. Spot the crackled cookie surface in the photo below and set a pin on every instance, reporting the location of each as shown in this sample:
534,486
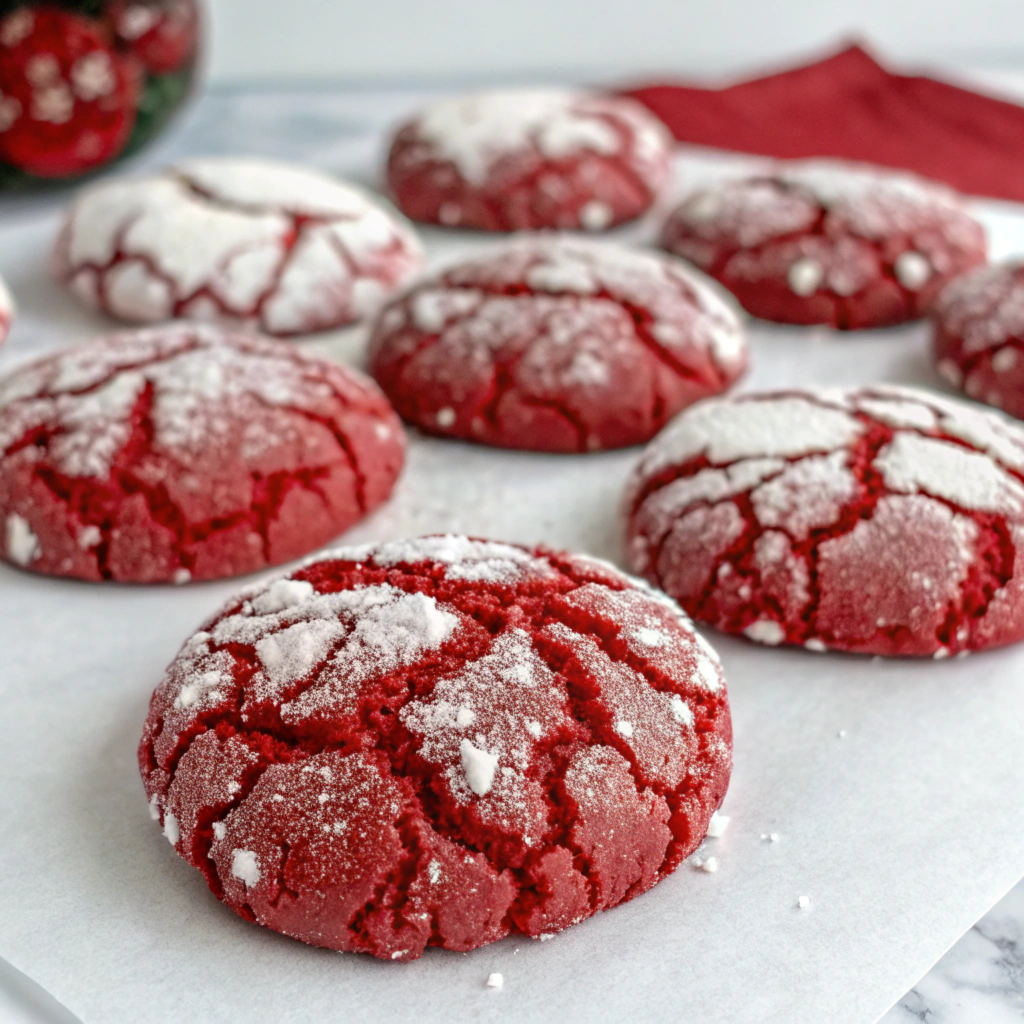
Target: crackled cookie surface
826,242
6,311
978,324
528,159
185,452
437,742
885,520
556,345
287,250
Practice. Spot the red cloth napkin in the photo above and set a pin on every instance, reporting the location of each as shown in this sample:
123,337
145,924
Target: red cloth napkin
849,106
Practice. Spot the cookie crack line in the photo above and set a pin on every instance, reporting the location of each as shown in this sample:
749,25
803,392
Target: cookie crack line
808,548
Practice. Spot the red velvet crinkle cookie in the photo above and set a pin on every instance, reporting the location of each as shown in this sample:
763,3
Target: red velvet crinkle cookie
825,242
556,345
186,453
881,521
979,335
438,742
284,249
530,159
6,311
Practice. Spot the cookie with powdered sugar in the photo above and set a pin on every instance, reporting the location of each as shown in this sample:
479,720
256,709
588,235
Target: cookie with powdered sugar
978,337
827,242
185,452
237,241
528,159
438,742
556,345
881,520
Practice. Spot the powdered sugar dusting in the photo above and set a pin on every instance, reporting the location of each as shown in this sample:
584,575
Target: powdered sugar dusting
349,699
202,383
240,239
475,132
513,695
937,461
558,318
782,426
827,226
984,308
464,559
912,464
382,628
478,765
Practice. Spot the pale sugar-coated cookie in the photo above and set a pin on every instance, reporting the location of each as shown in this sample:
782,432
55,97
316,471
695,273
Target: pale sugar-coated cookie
978,322
234,240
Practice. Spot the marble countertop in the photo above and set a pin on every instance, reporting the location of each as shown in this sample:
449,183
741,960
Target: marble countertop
979,981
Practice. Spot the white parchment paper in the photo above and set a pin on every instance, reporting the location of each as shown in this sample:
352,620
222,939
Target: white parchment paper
902,832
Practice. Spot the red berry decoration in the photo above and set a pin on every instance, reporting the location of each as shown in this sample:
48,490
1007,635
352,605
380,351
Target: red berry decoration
79,89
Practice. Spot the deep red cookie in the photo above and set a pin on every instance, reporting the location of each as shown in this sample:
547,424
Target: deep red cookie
237,240
438,742
186,453
824,242
67,97
530,159
6,311
978,324
881,521
556,345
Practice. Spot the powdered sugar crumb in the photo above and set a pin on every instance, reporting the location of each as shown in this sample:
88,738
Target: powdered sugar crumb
171,830
22,544
765,631
717,825
245,866
479,767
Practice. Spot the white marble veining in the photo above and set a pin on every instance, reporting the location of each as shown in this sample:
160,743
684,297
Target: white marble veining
979,981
